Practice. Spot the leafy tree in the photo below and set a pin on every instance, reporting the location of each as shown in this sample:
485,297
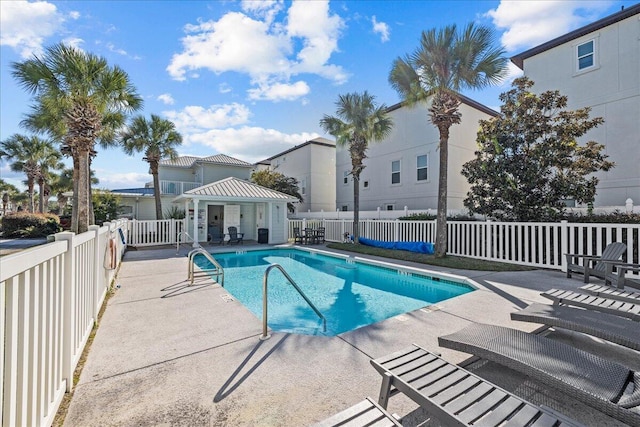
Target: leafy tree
80,100
277,181
529,159
48,162
359,121
8,192
33,156
158,139
105,205
446,62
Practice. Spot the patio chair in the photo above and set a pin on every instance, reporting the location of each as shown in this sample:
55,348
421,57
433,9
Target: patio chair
616,307
298,238
215,235
310,235
592,265
619,278
595,323
320,235
601,383
454,395
365,413
234,236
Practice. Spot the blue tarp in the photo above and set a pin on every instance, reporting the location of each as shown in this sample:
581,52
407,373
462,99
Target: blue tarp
420,247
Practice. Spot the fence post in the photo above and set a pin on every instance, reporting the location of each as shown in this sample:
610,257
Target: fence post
97,269
396,230
68,326
488,239
564,243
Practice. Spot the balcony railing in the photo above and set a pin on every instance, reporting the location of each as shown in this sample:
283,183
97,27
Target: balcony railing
177,187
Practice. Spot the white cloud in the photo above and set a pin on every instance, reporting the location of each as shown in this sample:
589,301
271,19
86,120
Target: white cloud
74,15
26,25
250,144
529,23
166,98
224,88
263,49
381,28
195,118
73,42
279,91
111,180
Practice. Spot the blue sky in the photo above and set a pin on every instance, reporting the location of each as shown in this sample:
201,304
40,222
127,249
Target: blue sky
253,78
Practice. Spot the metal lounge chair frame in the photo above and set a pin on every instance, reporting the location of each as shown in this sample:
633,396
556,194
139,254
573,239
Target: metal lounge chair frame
455,396
612,306
592,264
601,383
234,236
610,292
365,413
595,323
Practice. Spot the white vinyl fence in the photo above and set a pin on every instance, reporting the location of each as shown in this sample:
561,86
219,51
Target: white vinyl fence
536,244
153,233
50,296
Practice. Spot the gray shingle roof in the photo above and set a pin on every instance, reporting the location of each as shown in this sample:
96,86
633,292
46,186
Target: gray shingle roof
189,161
236,188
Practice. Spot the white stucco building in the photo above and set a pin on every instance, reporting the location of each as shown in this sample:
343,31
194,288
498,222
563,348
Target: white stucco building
313,164
598,66
403,169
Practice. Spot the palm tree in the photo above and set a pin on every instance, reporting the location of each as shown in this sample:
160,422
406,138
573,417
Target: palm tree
359,121
158,139
80,100
49,159
446,62
29,155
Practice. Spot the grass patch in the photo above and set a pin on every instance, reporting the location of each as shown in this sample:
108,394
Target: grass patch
461,263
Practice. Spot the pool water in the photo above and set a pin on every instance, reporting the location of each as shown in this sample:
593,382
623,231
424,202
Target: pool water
349,294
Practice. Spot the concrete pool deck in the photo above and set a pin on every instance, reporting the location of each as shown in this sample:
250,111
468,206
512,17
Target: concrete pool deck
166,353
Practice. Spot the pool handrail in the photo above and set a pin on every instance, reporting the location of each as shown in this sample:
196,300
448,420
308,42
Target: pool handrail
218,271
182,233
265,335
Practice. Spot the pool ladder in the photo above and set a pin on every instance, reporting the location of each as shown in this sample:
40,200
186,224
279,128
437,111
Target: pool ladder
265,335
218,271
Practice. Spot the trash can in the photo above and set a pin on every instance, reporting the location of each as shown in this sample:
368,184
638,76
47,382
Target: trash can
263,235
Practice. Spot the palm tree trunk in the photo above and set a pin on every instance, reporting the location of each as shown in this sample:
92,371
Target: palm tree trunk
74,200
30,186
156,188
441,217
83,191
356,209
41,195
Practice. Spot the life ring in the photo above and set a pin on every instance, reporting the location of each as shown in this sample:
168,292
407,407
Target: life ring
111,254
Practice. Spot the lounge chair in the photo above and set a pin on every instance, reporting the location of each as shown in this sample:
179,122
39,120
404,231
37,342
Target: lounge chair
595,323
234,236
592,302
365,413
215,235
454,395
610,292
601,383
619,278
592,264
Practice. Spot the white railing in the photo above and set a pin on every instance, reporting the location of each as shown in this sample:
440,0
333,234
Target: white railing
153,233
50,297
177,187
536,244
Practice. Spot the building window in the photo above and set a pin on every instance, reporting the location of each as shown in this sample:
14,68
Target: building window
345,179
421,165
303,187
345,208
586,55
395,172
365,184
389,207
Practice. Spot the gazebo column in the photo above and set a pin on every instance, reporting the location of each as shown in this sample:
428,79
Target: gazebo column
186,216
195,223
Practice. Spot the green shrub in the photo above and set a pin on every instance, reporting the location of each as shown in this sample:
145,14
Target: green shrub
430,217
616,217
174,213
29,225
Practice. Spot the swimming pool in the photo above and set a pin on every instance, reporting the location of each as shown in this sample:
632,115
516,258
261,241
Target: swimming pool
350,294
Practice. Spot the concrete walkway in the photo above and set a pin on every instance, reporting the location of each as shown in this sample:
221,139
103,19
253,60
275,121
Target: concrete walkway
171,354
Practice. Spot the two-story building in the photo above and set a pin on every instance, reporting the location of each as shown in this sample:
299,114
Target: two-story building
313,165
598,66
402,170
